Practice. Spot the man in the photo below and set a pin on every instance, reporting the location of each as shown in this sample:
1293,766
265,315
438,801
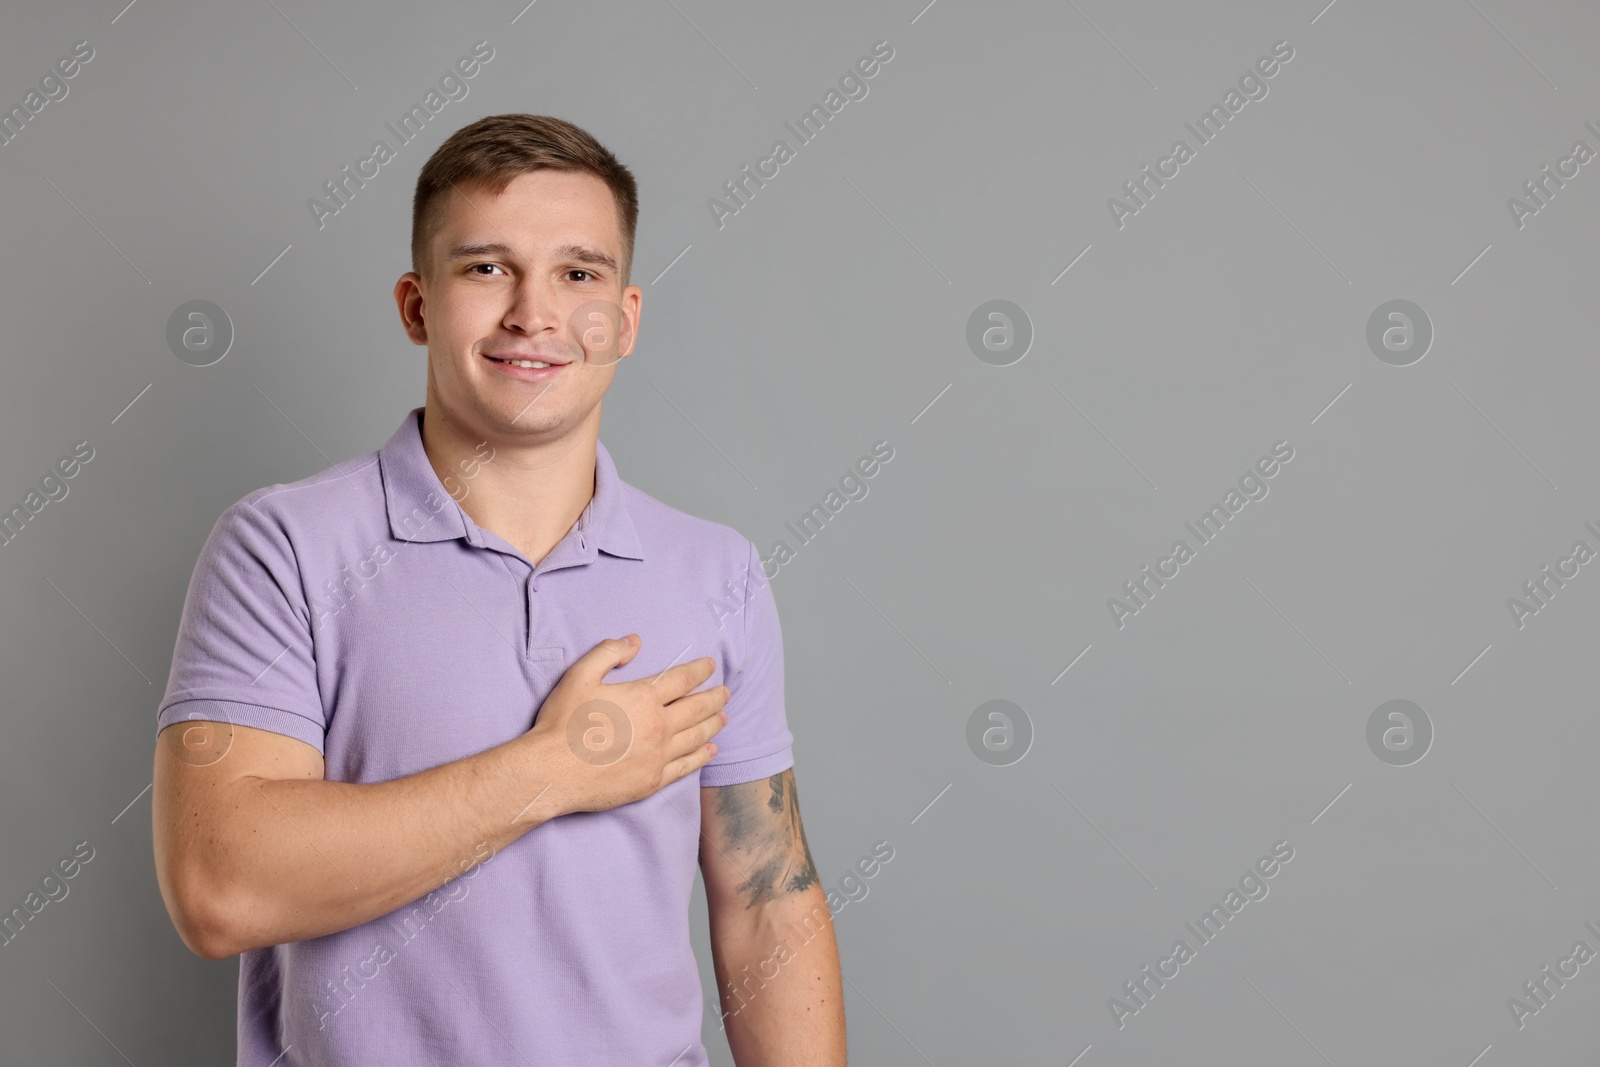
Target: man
432,755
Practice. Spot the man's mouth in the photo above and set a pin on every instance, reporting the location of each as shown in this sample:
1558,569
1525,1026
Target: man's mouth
533,364
527,368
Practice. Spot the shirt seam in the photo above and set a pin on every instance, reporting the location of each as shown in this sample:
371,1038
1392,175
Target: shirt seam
317,721
270,491
752,759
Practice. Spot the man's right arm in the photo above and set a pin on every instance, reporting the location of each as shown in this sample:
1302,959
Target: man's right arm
257,848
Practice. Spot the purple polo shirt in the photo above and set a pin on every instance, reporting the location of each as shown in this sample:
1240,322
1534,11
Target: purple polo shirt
362,611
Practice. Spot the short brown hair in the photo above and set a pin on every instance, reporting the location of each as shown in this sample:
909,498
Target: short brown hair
489,153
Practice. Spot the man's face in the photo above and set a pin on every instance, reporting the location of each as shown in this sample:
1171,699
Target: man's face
532,274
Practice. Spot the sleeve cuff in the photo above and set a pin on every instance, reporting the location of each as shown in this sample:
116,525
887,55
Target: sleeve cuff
289,723
750,770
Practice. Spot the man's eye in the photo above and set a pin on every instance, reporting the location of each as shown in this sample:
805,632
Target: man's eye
583,272
475,266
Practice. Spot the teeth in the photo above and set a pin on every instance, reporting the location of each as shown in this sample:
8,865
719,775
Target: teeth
527,363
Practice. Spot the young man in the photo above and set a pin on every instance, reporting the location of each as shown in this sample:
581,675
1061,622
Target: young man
436,750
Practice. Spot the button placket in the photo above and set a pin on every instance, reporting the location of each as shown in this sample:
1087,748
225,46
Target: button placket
528,594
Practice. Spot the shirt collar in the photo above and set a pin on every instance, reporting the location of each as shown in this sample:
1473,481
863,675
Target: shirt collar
421,509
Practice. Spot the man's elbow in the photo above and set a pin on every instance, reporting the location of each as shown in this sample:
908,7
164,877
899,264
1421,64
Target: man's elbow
205,920
207,944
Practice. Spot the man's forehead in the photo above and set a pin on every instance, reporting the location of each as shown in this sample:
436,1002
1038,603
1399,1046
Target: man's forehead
468,229
558,189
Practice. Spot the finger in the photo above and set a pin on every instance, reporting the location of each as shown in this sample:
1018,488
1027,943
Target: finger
687,765
593,666
674,682
695,708
686,741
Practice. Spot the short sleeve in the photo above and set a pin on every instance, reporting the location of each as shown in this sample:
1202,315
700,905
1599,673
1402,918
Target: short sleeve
244,652
755,742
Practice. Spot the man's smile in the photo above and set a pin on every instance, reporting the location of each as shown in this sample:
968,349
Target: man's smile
526,368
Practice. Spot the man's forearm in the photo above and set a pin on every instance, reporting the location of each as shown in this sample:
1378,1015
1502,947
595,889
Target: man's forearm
282,860
777,968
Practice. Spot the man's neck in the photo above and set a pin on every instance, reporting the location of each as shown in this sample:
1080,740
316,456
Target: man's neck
531,495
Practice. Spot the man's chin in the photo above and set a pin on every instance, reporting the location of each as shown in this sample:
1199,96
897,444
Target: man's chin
511,415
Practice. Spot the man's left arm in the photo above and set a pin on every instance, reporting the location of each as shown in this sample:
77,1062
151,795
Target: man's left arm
772,943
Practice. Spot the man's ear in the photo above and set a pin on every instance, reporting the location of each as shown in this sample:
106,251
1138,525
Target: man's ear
633,308
408,300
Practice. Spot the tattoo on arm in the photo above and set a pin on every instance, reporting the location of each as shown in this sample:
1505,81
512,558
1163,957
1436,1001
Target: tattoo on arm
764,838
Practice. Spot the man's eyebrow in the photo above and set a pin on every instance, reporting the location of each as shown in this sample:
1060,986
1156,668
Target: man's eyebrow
471,250
584,254
579,253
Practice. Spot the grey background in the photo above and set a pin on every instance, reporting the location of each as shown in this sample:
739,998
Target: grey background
829,314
